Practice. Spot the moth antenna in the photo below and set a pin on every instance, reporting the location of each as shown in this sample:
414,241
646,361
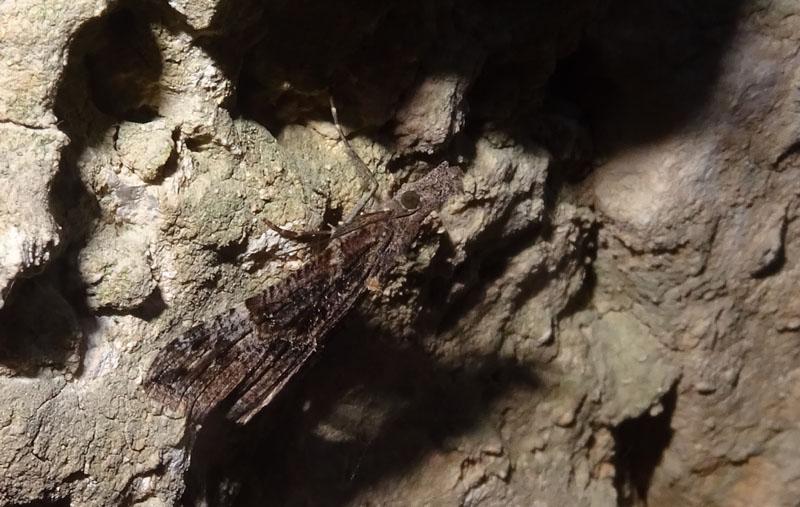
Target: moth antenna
367,178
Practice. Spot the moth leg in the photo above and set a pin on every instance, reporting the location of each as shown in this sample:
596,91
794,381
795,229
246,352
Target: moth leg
368,180
299,236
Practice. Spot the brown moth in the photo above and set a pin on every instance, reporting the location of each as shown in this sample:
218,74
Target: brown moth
248,353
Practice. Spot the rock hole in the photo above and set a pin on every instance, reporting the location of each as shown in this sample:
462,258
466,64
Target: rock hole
640,444
39,328
124,67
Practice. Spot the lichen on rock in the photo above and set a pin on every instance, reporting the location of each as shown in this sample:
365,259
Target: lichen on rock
606,316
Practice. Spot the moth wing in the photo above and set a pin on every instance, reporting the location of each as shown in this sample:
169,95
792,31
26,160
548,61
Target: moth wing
334,294
205,365
180,367
252,350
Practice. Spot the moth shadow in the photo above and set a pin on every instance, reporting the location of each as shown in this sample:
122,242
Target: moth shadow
370,409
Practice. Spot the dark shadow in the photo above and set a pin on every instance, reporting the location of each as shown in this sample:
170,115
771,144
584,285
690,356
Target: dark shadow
222,460
38,326
111,75
789,158
281,457
123,65
641,70
149,309
640,444
646,69
286,75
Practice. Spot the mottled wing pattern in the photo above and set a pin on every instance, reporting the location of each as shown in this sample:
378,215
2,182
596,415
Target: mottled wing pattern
181,364
250,351
332,291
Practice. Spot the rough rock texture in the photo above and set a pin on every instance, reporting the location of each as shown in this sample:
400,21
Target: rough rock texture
608,315
698,255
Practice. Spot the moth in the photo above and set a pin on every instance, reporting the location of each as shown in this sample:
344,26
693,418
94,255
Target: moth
247,354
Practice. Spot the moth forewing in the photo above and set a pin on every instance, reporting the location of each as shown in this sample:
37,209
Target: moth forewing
248,354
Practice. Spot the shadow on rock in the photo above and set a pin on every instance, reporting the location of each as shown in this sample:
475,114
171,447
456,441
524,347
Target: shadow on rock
368,410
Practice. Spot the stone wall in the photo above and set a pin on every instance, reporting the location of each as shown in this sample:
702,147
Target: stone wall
608,315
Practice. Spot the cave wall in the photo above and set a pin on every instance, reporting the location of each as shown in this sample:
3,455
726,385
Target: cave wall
606,316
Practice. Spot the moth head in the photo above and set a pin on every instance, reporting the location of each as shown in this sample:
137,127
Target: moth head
410,200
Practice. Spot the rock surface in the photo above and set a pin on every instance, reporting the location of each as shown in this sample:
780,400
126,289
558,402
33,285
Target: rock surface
608,315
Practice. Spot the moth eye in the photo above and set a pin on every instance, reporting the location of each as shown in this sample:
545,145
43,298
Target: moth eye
410,200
